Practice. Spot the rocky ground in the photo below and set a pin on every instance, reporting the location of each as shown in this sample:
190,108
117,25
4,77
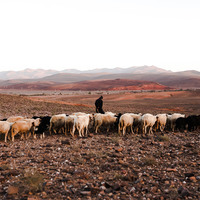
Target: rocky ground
100,166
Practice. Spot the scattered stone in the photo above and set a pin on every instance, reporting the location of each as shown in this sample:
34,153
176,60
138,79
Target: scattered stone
14,172
12,190
185,192
102,167
119,150
67,142
2,179
85,193
171,170
193,179
189,174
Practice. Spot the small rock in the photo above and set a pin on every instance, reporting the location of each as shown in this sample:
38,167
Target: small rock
95,190
198,177
117,187
171,170
2,178
85,193
132,189
121,161
79,172
12,190
193,179
103,187
119,150
154,189
65,142
185,192
139,180
167,182
13,172
189,174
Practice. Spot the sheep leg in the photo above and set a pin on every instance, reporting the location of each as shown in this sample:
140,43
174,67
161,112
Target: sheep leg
86,132
66,130
79,130
132,130
96,128
108,128
124,130
150,130
145,129
6,136
119,129
73,130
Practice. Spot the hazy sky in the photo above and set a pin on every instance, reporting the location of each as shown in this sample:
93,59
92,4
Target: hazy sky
88,34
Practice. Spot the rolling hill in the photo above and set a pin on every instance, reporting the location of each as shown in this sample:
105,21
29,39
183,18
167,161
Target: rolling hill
107,81
40,73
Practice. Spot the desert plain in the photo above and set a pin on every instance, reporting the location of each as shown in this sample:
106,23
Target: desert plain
103,165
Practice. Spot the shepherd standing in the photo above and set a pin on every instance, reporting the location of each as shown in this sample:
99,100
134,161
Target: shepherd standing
99,105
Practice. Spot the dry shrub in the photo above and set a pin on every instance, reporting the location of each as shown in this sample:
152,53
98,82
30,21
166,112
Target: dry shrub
101,154
163,138
76,147
149,161
4,167
115,140
78,160
118,176
31,181
173,193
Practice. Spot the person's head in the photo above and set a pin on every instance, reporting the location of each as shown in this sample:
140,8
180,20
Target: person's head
101,97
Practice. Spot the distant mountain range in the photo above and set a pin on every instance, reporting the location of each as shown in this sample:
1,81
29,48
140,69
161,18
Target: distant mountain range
99,78
40,73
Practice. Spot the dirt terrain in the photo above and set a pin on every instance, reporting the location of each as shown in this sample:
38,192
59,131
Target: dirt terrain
104,165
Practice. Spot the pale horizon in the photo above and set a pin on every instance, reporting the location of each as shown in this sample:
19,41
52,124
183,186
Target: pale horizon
82,70
86,35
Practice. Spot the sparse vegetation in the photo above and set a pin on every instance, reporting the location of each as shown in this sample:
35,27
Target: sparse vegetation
4,167
118,176
115,139
163,138
31,180
149,160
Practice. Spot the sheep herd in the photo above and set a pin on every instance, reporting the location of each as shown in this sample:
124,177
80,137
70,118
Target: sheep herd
137,123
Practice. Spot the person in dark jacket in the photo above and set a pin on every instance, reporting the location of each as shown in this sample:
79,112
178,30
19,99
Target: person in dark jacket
99,105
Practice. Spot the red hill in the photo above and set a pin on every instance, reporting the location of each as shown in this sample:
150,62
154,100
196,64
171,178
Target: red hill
117,84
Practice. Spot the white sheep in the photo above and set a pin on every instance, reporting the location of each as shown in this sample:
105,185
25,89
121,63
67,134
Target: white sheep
69,123
81,123
148,120
35,121
22,127
161,121
127,120
57,122
15,118
79,113
110,113
106,119
137,122
4,128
